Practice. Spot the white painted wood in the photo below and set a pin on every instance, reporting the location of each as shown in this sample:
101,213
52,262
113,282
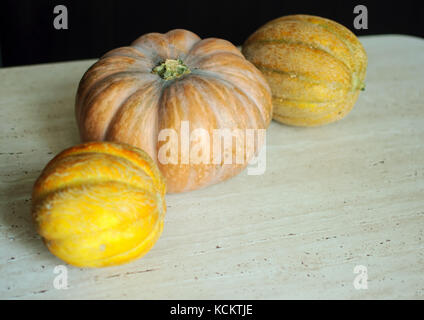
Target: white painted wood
347,194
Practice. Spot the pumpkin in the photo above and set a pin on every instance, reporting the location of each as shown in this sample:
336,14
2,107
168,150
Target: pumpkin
99,204
314,66
175,83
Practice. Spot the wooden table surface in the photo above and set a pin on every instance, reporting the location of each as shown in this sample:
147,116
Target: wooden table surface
331,198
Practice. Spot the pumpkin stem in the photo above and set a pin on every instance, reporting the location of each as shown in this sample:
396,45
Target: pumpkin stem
171,69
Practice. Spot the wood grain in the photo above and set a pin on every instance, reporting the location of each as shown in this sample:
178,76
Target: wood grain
350,193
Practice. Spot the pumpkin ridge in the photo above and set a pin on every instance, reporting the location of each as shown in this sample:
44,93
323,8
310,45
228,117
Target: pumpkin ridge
219,53
145,52
222,169
154,44
197,61
83,103
119,52
229,85
102,64
216,75
160,106
142,101
196,55
170,89
113,119
222,76
131,74
219,169
205,84
186,38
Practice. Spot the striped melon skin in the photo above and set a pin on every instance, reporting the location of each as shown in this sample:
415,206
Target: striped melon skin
314,66
99,204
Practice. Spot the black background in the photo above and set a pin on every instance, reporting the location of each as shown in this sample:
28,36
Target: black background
27,35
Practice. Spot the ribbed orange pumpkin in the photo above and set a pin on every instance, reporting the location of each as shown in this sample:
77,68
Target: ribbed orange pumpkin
134,93
99,204
314,66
